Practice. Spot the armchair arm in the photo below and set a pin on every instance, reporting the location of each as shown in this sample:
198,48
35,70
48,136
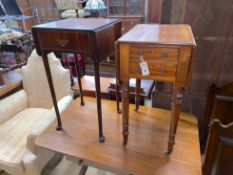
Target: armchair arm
64,103
31,164
13,104
46,121
35,162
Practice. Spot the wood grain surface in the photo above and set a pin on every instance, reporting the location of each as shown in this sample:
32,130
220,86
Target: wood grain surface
12,80
175,34
148,140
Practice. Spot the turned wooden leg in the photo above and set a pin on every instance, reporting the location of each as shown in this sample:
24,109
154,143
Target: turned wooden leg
79,78
137,94
177,100
125,111
118,97
117,82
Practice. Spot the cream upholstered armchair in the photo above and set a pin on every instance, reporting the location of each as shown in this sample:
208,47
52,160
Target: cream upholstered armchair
69,8
26,113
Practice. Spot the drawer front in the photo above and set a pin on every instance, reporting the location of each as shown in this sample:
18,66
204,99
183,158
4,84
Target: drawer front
128,24
154,54
164,70
162,61
70,41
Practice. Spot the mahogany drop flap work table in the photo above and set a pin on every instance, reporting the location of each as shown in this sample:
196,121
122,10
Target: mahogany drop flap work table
168,51
94,37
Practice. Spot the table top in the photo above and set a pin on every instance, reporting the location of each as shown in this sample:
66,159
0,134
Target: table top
172,34
147,140
78,24
12,80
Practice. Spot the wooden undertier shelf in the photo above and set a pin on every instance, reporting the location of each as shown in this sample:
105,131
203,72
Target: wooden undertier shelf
143,155
108,87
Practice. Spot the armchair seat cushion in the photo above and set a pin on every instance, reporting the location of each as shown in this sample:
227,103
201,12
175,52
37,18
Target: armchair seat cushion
14,133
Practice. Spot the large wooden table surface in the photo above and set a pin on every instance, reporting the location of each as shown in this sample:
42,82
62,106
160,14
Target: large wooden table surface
12,80
142,155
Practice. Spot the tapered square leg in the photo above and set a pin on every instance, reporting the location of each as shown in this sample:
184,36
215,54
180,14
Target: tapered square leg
98,100
78,72
51,87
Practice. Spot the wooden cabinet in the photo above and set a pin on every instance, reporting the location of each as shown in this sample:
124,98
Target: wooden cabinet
154,8
126,7
131,12
128,22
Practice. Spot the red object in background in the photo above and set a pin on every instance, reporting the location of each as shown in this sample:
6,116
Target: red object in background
72,63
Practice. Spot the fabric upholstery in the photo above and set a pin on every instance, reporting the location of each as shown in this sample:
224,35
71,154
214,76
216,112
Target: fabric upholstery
13,134
69,14
30,162
12,105
47,120
36,84
66,4
25,114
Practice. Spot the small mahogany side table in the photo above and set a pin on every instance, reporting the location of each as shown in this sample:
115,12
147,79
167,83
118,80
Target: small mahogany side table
94,37
168,52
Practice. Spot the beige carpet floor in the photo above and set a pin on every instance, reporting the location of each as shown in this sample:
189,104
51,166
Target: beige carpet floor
65,167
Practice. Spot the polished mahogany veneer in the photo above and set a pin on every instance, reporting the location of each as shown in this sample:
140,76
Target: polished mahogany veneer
94,37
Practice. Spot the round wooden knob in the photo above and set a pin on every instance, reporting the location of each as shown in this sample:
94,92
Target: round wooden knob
165,55
141,55
163,70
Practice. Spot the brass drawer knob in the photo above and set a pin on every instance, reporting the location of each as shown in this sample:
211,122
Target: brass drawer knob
62,43
163,70
141,53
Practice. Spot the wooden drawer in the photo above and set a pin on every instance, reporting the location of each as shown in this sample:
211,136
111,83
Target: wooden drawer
128,24
154,54
65,40
156,69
